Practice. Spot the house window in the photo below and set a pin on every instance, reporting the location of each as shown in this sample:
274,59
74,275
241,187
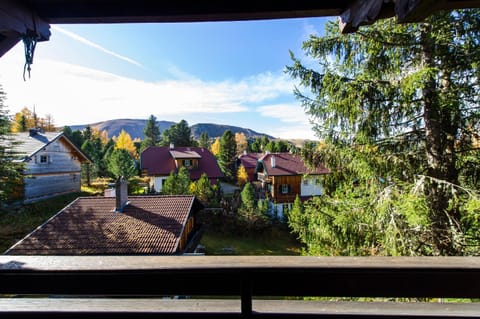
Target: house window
317,181
284,188
305,182
43,159
187,163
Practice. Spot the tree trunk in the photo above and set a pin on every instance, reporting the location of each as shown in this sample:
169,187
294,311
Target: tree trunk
441,124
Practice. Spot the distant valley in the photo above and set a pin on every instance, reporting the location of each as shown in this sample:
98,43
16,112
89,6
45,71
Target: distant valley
135,127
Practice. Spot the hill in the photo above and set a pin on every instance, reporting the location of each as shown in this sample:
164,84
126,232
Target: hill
135,127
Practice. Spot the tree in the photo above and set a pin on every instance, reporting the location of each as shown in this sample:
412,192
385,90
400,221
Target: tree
23,121
152,133
241,142
124,141
204,140
177,183
215,148
122,163
227,155
203,189
178,134
396,98
10,172
242,176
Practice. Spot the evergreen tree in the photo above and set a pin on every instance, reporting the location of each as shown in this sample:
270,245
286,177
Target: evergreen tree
10,172
177,183
227,155
122,163
178,134
204,140
151,132
203,190
393,101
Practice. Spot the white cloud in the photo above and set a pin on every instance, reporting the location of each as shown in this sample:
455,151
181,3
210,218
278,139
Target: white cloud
74,94
297,123
85,41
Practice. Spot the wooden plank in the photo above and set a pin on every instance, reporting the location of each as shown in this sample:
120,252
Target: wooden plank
457,277
231,307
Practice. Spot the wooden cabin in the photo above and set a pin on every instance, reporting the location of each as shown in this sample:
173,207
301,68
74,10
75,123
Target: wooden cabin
52,164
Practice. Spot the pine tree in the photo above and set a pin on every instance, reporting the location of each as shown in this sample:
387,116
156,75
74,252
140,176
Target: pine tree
227,155
178,134
122,163
393,100
10,172
204,140
151,132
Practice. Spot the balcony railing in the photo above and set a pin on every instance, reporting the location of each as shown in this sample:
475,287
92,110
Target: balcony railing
235,286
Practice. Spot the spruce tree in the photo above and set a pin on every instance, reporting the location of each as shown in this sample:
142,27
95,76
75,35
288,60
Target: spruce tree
227,155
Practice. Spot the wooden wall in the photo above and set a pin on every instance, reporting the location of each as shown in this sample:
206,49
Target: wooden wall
294,183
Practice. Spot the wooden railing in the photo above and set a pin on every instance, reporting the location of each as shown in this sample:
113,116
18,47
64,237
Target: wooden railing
235,286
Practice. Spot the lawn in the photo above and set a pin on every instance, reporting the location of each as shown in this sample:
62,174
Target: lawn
274,241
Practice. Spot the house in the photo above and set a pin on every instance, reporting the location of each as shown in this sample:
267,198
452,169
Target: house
158,162
52,163
121,225
284,176
249,161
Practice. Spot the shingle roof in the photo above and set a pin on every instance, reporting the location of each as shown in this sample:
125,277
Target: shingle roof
89,226
28,145
249,160
288,164
158,160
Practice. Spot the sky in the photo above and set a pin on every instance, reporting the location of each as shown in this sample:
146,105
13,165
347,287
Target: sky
210,72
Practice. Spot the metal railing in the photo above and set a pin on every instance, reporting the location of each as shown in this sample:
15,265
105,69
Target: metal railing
235,286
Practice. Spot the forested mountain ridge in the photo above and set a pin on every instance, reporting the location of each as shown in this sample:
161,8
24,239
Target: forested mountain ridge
135,128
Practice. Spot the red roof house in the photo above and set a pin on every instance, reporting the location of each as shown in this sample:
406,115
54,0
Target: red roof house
158,162
249,161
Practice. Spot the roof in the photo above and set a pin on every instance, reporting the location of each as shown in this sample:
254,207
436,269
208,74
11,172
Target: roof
89,226
249,160
30,144
288,164
159,160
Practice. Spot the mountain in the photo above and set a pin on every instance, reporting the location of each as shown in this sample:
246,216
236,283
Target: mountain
135,128
216,130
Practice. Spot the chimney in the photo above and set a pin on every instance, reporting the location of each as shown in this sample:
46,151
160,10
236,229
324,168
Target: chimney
121,194
272,161
172,146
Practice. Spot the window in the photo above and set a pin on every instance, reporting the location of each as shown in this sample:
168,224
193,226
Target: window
43,159
284,188
187,163
305,182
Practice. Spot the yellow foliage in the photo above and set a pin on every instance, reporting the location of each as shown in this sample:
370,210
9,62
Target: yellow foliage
242,176
124,141
215,148
241,141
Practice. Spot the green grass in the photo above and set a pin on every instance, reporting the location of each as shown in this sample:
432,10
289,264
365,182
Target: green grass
274,241
18,221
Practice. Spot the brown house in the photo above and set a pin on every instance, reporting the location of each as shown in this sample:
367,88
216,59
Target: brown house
136,225
284,176
158,162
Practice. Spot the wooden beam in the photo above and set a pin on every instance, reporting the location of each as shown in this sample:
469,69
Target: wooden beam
17,21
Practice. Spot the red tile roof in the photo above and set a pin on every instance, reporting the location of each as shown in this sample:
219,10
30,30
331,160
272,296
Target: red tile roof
89,226
158,160
288,164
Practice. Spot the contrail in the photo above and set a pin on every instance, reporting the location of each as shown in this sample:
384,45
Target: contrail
96,46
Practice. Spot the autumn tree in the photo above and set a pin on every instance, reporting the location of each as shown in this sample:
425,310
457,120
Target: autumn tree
241,142
242,176
23,120
124,141
396,101
215,147
227,155
151,132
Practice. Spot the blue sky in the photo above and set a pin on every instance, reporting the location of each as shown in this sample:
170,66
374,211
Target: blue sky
221,72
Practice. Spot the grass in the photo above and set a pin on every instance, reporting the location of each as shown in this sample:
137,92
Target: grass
274,241
18,221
